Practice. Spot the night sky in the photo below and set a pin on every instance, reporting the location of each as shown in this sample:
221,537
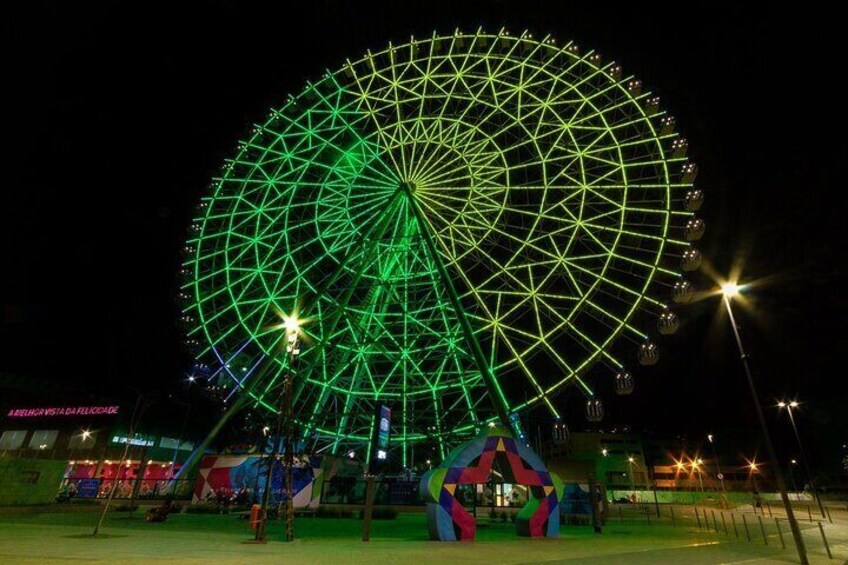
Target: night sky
115,121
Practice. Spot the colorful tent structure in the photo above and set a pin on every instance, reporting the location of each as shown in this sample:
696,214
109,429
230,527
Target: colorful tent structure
472,463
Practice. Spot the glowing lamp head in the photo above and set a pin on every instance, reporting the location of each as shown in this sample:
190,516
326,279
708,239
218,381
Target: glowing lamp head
630,460
730,289
710,437
292,324
86,434
793,404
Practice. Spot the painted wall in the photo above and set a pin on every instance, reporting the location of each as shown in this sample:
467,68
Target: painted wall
29,481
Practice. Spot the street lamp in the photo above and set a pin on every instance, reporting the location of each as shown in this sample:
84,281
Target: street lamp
293,349
729,290
792,463
752,466
631,460
291,324
789,406
718,466
696,466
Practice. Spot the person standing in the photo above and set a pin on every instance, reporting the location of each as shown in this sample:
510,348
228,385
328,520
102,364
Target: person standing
597,497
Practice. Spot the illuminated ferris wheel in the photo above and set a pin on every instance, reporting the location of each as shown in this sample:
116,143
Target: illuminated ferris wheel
465,223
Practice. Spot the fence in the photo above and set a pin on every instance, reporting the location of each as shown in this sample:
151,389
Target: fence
767,525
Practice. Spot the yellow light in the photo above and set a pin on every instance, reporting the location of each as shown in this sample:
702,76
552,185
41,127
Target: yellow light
730,289
781,404
630,459
291,323
86,434
793,404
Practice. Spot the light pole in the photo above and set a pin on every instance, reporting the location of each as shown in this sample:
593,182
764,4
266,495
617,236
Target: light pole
292,326
293,349
730,290
718,466
696,466
752,466
792,463
789,406
630,460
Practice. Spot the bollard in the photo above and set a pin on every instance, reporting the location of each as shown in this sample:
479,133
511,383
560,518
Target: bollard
747,533
824,539
809,514
769,509
715,522
780,533
763,529
724,523
673,521
698,517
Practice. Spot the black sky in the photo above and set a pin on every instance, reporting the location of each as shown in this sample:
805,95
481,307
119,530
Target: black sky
116,118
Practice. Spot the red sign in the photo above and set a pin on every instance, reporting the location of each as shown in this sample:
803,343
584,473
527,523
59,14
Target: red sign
62,411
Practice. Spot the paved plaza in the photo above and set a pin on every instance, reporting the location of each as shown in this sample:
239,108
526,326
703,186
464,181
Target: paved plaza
64,537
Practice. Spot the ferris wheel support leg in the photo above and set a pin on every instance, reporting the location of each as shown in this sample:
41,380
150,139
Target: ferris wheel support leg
492,386
195,456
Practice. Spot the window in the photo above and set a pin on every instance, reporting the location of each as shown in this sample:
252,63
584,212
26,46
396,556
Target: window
43,439
12,439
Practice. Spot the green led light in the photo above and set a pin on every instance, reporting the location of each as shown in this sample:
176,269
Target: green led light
467,226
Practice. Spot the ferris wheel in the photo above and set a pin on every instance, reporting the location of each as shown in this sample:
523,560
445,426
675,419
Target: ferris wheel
465,224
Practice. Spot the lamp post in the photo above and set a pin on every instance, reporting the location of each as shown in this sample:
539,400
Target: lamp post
792,463
630,460
293,349
292,327
752,467
730,290
696,466
718,466
789,406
